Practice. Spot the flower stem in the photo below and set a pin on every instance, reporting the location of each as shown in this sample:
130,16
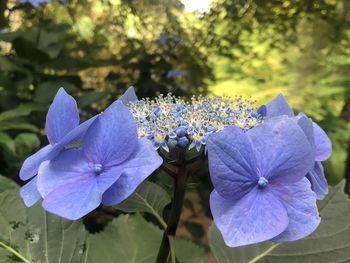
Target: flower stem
180,182
182,170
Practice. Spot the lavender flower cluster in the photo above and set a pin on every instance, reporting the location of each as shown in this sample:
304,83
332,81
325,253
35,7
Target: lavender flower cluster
265,164
170,121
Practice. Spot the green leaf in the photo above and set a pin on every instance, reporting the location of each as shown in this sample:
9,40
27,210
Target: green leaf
46,91
32,235
329,243
90,97
188,252
6,65
148,197
5,126
7,184
29,50
20,111
26,143
128,239
7,143
52,39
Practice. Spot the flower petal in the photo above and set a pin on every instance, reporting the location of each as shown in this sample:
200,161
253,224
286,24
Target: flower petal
112,137
129,96
276,107
306,125
282,150
232,163
62,117
74,200
31,165
74,190
323,144
135,170
70,166
74,136
300,202
29,193
318,181
257,217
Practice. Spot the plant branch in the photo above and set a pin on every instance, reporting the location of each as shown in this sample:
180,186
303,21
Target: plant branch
180,181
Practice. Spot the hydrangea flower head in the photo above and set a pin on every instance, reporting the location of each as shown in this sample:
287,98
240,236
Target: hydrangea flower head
170,121
62,129
108,167
318,138
260,190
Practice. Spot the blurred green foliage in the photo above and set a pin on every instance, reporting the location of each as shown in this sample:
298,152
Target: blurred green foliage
98,48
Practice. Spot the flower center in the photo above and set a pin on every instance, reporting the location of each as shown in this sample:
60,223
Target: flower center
98,168
262,182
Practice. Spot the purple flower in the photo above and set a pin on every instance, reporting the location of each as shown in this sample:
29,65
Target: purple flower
108,167
62,129
35,2
317,137
39,2
260,190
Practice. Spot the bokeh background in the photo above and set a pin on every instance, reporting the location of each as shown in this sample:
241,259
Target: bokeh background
96,49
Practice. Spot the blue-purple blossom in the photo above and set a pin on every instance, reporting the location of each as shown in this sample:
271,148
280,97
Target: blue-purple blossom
318,138
62,129
108,167
260,190
36,2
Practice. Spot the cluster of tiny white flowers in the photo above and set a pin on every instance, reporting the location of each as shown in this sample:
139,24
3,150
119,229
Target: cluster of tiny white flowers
170,121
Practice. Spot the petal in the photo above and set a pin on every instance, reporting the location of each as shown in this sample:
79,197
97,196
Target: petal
74,200
262,110
278,106
257,217
62,117
112,137
300,202
77,192
323,144
74,136
129,96
318,181
135,170
31,165
29,193
70,166
232,163
282,150
306,125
